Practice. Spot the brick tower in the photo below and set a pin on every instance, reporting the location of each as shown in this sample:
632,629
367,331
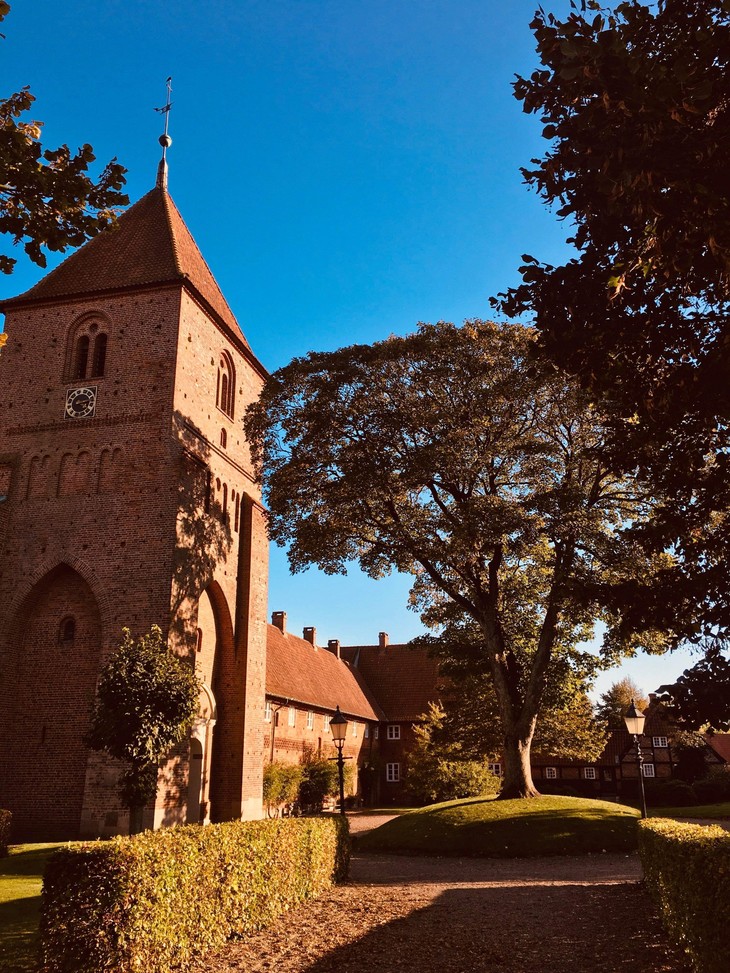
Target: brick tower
127,499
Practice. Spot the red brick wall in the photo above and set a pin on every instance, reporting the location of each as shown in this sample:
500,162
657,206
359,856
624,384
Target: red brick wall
121,498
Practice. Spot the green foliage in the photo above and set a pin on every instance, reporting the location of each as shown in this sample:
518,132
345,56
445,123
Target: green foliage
690,751
158,901
320,780
439,771
509,829
687,870
281,785
46,197
615,701
701,695
147,699
6,820
715,787
669,793
454,454
633,98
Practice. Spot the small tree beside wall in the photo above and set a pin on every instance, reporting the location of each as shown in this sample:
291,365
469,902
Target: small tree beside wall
145,705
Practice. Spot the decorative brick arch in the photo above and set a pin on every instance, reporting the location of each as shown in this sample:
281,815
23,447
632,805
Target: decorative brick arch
51,663
81,567
91,325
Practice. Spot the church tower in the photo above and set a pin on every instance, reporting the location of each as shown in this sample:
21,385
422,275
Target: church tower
127,499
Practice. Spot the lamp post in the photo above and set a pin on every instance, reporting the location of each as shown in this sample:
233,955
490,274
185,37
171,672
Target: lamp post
634,720
338,726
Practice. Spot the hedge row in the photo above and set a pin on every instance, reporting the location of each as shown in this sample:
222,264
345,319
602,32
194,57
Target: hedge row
687,869
6,819
158,901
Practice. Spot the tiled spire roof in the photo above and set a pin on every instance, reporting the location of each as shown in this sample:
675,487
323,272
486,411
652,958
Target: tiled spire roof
149,245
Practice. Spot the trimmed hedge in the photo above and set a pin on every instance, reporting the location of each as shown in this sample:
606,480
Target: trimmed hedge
687,869
6,819
158,901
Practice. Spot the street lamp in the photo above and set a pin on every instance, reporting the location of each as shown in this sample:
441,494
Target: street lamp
338,726
634,720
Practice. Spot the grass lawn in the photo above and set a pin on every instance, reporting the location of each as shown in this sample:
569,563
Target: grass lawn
20,902
508,829
715,811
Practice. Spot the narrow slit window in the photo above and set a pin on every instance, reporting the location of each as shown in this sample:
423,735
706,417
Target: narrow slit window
99,363
81,357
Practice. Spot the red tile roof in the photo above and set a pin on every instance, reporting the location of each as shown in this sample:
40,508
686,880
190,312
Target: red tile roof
149,245
297,671
403,678
720,743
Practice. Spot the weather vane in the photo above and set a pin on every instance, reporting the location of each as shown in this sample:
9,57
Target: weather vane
165,140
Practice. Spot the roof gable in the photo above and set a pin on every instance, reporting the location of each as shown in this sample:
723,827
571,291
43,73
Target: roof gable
150,244
403,678
301,672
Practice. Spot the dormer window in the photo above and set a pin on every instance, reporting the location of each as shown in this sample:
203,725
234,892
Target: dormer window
226,385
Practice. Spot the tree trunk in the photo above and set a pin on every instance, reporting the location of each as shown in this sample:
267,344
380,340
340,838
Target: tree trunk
135,819
517,780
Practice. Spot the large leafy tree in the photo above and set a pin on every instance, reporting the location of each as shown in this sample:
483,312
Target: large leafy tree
451,455
635,102
616,700
146,701
701,695
48,200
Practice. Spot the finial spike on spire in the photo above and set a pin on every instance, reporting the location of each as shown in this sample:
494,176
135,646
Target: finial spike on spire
165,140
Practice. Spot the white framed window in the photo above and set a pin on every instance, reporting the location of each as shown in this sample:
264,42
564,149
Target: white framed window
551,773
659,742
376,732
366,731
267,712
354,728
589,773
496,769
393,731
310,720
292,716
648,770
326,723
392,773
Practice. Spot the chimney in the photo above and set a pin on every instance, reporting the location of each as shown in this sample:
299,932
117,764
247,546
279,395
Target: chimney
652,698
382,639
334,646
310,634
279,619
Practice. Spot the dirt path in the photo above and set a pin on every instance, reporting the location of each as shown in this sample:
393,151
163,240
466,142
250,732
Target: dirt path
417,915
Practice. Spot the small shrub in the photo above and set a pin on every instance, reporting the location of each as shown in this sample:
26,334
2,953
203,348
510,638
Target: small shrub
432,779
320,780
669,793
560,788
281,785
6,819
714,788
160,900
687,869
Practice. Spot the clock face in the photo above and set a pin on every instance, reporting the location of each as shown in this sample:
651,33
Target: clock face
81,403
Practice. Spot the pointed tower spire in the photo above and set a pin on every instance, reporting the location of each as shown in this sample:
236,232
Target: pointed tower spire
165,140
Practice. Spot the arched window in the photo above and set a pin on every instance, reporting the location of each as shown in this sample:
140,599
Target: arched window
226,385
99,362
198,639
81,356
86,349
67,630
225,502
224,438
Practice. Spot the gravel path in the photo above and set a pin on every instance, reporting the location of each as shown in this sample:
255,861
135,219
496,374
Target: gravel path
455,915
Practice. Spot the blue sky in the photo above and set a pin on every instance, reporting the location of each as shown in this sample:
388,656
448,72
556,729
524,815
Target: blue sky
347,169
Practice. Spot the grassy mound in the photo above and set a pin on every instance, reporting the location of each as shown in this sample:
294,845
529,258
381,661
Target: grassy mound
484,827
